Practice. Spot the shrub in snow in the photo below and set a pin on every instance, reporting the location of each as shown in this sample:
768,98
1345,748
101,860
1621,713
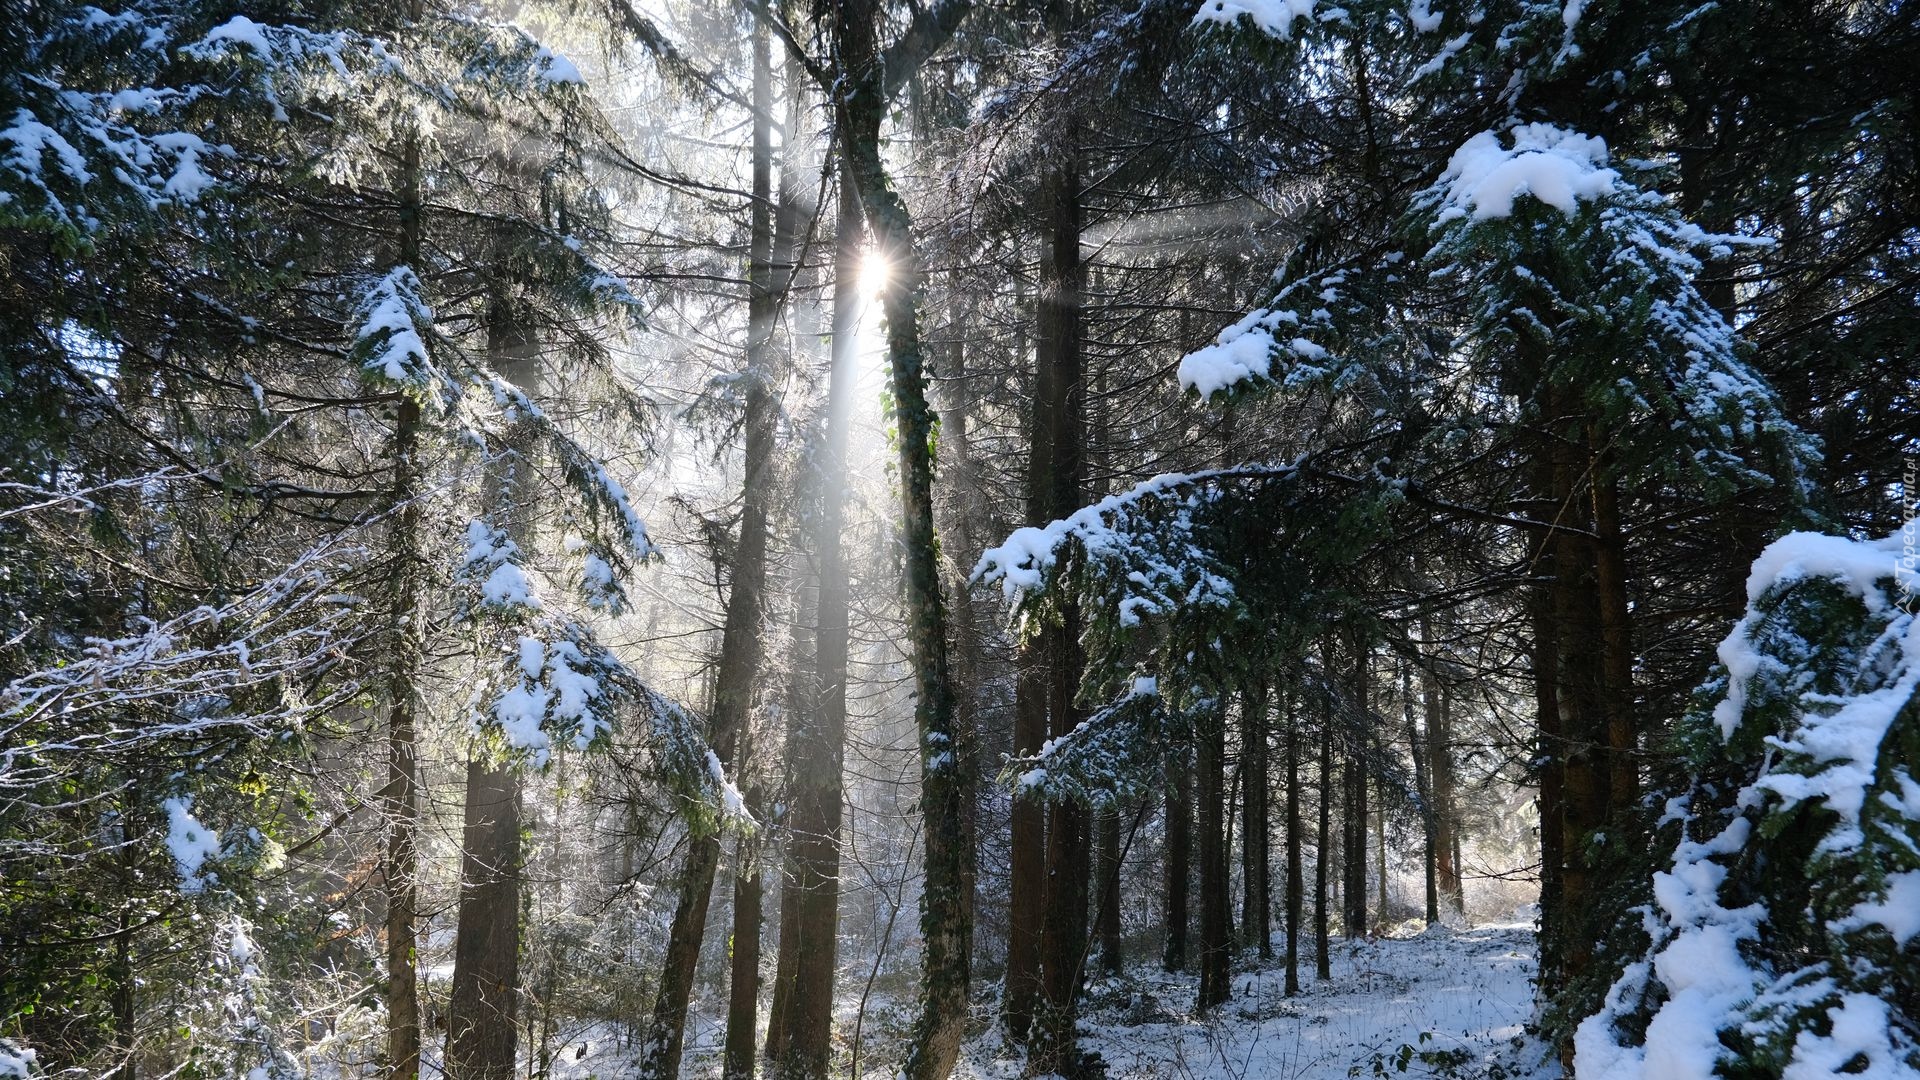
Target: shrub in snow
234,1029
1784,937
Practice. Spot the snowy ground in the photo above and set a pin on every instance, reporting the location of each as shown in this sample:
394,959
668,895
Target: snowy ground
1466,991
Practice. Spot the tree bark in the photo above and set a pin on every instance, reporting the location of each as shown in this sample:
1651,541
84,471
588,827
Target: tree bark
401,800
945,775
1549,759
1615,611
1057,476
1294,882
1354,850
1053,1046
1580,693
967,519
1423,788
1439,773
482,1036
1216,946
740,643
1027,832
1447,836
1552,752
1178,870
482,1039
1380,858
1460,902
122,973
1026,898
1053,1043
401,804
743,972
1231,795
804,687
1322,851
1256,914
769,272
1111,956
800,1027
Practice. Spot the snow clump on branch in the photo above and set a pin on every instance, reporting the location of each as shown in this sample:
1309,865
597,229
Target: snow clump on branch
1556,166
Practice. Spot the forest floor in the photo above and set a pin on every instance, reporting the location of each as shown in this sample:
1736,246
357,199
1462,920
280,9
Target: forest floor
1460,999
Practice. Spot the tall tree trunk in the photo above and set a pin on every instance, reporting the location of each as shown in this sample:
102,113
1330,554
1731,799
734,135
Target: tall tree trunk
1295,887
1058,476
1550,756
401,804
1108,826
1548,487
660,1054
774,229
401,801
1232,796
743,981
780,1008
1380,857
740,643
1027,884
1256,914
123,976
967,514
1423,789
1439,766
800,1044
1322,967
1053,1047
1615,610
482,1036
1027,827
1446,839
946,782
1216,945
1178,869
1580,693
1354,850
1460,901
800,696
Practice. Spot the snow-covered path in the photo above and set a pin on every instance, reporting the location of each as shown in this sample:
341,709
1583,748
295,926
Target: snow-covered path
1467,990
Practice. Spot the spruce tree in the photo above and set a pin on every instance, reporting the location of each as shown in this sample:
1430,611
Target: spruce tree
306,419
1780,936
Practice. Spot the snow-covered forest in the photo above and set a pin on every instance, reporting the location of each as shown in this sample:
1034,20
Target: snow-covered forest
1227,539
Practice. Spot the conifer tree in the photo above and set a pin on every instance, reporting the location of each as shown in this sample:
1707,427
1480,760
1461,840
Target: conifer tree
318,411
870,76
1615,379
1798,959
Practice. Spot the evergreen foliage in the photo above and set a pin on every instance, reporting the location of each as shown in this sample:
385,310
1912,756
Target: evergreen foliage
205,356
1781,937
1374,410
